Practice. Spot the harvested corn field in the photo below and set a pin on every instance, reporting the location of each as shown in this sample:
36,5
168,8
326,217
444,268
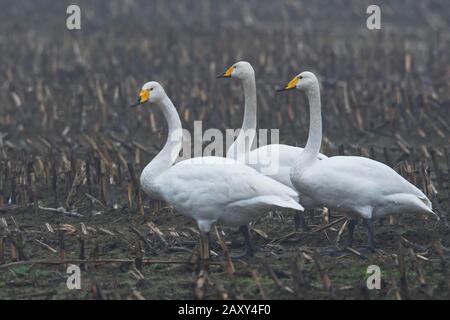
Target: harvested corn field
72,151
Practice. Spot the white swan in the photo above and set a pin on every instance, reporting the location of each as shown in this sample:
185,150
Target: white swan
208,189
273,160
357,186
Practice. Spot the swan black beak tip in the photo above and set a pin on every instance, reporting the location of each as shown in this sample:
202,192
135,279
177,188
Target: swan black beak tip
222,75
137,103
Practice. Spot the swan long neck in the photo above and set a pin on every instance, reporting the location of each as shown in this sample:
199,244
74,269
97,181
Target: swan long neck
313,144
249,87
244,141
169,153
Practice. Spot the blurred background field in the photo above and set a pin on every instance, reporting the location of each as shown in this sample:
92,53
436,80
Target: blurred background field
70,148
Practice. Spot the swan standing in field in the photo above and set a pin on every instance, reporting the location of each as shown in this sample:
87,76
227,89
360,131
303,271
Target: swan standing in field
280,156
207,189
357,186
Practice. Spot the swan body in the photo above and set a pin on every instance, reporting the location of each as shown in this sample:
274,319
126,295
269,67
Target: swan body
357,186
280,157
226,192
360,186
207,189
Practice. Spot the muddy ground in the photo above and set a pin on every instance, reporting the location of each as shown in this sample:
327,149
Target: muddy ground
71,151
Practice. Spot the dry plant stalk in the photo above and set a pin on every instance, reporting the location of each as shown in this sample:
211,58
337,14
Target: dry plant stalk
323,275
229,263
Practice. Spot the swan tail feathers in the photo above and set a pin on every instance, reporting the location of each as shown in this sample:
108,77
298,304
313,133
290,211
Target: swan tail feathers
422,202
428,206
282,202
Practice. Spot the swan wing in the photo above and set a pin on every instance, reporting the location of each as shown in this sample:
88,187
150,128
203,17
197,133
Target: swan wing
375,174
215,187
356,183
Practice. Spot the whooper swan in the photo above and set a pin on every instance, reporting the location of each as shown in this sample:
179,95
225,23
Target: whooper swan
356,186
208,189
273,160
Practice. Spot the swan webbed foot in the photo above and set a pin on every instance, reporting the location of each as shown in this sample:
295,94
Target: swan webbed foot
368,250
331,251
250,248
243,256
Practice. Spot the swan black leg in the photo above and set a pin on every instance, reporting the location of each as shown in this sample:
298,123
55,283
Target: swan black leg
300,221
351,229
248,240
249,248
370,239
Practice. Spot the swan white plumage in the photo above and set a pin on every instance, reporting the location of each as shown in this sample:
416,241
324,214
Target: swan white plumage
207,189
273,160
357,186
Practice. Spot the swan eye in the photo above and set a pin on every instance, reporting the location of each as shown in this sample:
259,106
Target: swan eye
300,77
151,89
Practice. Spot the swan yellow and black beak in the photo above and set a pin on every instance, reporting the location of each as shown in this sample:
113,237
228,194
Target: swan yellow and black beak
227,74
291,85
144,95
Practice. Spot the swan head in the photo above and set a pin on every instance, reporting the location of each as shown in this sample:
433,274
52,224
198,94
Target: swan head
241,70
151,92
304,81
